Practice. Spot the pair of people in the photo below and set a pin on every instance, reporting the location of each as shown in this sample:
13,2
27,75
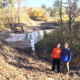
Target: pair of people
66,57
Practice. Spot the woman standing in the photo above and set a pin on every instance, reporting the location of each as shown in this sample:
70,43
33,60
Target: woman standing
56,54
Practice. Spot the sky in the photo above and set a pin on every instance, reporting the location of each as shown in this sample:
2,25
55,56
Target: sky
37,3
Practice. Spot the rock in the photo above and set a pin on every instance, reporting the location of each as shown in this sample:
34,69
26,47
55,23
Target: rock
30,77
7,78
49,79
74,74
78,70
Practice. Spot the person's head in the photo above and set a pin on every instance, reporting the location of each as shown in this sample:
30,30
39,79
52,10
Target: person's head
58,45
66,45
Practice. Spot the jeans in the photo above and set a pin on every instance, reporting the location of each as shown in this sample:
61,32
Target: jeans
56,62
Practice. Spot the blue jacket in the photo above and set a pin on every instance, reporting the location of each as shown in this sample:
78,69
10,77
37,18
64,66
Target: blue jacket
66,55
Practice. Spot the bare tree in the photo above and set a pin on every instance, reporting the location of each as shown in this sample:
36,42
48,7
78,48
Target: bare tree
70,18
19,3
72,12
60,12
58,6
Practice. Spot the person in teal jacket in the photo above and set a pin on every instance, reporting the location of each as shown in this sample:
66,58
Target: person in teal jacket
66,57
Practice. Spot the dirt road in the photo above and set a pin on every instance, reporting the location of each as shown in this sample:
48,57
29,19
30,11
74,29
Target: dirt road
15,40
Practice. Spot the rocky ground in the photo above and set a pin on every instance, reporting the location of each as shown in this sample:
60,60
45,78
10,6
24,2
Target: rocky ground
20,65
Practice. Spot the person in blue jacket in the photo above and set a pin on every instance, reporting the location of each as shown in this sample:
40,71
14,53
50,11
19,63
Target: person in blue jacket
66,57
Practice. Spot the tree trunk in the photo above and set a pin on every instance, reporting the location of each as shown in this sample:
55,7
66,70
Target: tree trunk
19,11
70,24
11,16
60,11
70,19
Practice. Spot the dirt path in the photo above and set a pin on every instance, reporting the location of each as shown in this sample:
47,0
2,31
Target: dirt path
15,40
20,65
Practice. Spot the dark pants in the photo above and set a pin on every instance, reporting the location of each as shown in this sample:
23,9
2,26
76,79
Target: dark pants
56,62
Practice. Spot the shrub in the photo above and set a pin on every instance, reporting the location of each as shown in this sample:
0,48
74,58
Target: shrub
45,46
35,13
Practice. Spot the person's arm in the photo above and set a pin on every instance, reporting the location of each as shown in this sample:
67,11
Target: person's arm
61,51
69,56
53,53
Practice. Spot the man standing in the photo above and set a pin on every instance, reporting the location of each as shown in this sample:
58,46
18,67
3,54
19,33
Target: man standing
56,58
66,57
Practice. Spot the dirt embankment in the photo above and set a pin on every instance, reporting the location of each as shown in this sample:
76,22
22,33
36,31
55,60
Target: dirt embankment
38,24
20,65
